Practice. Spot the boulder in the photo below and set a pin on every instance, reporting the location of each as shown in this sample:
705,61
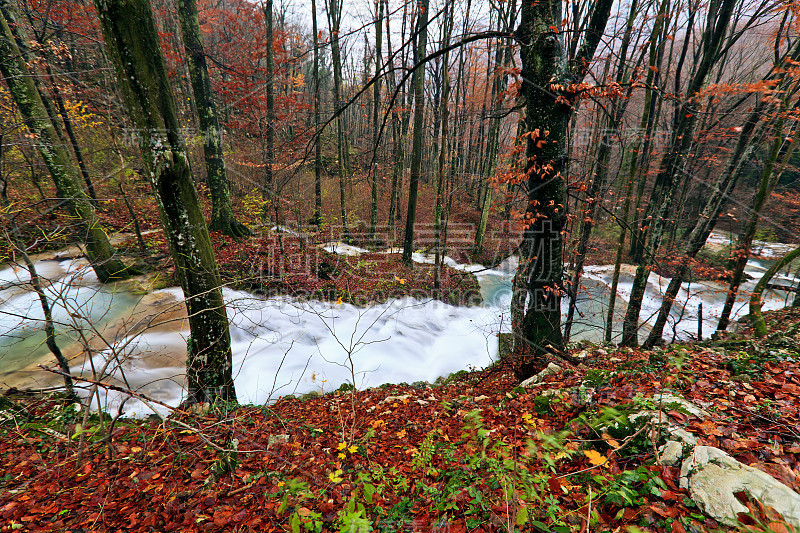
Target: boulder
713,477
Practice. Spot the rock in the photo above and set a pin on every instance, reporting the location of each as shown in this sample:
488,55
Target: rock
688,406
480,398
681,435
614,360
713,477
395,398
670,453
551,369
273,439
583,354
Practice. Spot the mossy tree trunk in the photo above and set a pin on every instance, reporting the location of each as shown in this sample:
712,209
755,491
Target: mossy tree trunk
334,21
547,73
694,240
317,218
65,176
759,326
781,151
416,139
376,108
222,217
133,46
269,193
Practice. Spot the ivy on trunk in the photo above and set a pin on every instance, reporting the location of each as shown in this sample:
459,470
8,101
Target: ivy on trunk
547,75
133,46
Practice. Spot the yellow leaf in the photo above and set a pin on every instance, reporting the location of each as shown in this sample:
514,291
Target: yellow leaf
335,477
352,449
401,280
341,446
401,434
339,301
596,458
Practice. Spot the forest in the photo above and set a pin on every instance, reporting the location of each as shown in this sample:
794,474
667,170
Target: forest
407,265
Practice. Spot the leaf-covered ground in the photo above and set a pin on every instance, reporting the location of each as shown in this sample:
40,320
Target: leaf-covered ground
471,453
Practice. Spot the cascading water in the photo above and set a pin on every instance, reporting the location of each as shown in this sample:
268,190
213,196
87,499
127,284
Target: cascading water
282,345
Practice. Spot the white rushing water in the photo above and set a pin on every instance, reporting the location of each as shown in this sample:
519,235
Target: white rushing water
282,345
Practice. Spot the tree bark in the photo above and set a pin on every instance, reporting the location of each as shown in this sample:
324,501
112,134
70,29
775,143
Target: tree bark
334,21
268,191
779,156
317,218
416,141
546,75
133,46
376,106
222,217
443,149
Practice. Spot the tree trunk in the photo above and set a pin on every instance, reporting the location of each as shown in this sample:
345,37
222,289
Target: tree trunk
502,59
133,46
695,239
779,156
536,300
376,107
759,326
222,217
334,20
268,192
441,176
416,141
49,328
67,181
598,181
317,218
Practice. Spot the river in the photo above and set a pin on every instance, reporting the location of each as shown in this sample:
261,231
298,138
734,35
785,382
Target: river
282,345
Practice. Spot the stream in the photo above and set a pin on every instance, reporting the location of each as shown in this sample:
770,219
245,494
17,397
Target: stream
282,345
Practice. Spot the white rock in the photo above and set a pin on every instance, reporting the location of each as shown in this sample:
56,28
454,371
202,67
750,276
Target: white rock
713,477
551,369
395,398
685,404
670,453
681,435
274,439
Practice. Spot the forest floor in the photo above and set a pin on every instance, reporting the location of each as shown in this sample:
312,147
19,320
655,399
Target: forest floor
472,452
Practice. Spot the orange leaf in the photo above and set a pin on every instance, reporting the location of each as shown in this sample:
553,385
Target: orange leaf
596,458
778,527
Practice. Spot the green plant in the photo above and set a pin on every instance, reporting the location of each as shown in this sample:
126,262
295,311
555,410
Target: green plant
225,463
543,404
596,378
628,488
634,435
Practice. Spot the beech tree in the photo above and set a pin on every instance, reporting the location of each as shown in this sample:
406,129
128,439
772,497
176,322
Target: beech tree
133,47
416,140
685,121
549,78
222,217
